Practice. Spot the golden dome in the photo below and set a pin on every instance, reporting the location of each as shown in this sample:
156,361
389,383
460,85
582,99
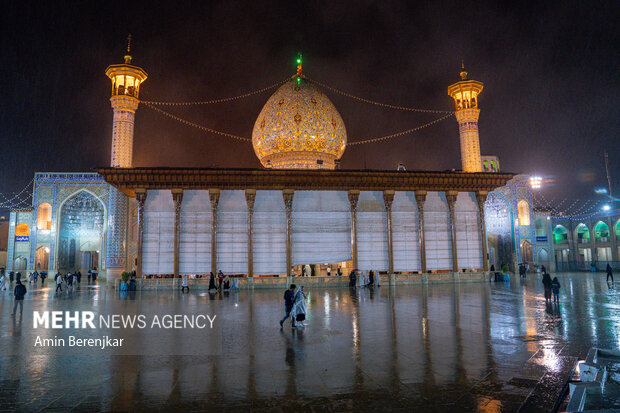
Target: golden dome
299,128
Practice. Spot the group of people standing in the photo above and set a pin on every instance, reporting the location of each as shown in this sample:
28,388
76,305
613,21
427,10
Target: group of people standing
364,279
224,282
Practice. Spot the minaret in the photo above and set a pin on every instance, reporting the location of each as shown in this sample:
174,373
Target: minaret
465,94
126,80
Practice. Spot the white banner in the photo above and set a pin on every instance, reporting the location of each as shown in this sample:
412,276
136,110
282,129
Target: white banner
232,233
195,233
437,232
269,233
372,251
321,227
157,247
405,241
468,245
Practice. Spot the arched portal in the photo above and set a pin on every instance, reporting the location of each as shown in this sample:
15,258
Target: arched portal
498,219
601,232
543,257
82,223
42,258
526,252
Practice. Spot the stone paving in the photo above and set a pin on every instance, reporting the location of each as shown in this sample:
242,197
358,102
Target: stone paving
445,347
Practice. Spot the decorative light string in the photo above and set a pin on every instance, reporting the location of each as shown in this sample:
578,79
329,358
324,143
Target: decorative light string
587,209
372,102
222,100
395,135
22,199
245,139
195,125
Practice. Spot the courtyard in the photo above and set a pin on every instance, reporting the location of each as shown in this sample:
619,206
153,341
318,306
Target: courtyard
437,347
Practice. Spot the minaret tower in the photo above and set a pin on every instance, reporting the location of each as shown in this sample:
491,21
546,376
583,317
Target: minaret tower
126,80
465,94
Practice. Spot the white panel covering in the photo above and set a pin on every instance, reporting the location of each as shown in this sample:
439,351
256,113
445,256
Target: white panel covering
157,247
321,227
469,250
405,242
372,250
195,235
437,232
232,233
269,233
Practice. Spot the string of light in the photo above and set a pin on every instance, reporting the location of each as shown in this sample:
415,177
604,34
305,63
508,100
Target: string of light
19,200
397,134
372,102
245,139
587,209
213,101
195,125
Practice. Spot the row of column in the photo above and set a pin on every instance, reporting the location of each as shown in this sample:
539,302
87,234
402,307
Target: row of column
287,195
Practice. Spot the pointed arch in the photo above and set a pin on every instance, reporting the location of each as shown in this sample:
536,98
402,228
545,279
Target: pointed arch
523,208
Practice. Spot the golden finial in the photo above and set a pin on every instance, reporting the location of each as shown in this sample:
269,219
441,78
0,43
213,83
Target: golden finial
299,63
128,56
463,71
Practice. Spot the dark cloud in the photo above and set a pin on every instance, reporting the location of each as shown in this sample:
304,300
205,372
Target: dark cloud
548,106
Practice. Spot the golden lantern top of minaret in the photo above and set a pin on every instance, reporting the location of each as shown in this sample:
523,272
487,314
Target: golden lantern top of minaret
465,93
125,77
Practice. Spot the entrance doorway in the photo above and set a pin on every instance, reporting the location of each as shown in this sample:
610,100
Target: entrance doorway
82,220
42,258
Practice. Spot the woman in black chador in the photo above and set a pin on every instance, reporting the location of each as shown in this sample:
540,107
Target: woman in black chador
352,279
212,282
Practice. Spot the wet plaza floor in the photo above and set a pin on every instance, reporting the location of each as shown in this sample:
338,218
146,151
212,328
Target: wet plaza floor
444,347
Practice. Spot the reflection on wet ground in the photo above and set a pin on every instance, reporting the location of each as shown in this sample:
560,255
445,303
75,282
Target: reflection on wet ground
448,347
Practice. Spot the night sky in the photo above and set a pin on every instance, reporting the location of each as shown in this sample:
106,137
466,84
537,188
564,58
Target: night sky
549,105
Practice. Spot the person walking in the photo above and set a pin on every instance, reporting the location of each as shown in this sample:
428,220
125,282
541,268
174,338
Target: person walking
235,283
19,293
377,279
18,276
339,272
547,284
184,285
220,279
371,278
610,273
90,275
58,280
2,282
212,282
36,275
329,271
298,312
11,276
543,269
79,276
289,300
555,287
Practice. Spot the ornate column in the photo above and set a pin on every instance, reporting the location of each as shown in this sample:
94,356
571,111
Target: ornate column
481,197
141,198
388,197
593,255
612,239
177,198
214,197
287,194
250,197
420,198
451,198
354,196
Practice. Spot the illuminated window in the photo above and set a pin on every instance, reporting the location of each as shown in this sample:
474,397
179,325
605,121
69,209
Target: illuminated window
22,230
540,227
618,230
601,232
560,235
524,213
44,216
583,234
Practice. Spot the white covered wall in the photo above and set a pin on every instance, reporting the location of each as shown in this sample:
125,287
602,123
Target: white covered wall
157,249
195,233
232,233
437,232
269,233
405,241
321,227
372,253
469,250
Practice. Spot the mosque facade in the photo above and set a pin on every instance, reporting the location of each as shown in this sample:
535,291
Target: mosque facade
296,214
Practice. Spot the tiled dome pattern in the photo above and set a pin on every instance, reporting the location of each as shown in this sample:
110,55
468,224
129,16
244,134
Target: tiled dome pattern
299,128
